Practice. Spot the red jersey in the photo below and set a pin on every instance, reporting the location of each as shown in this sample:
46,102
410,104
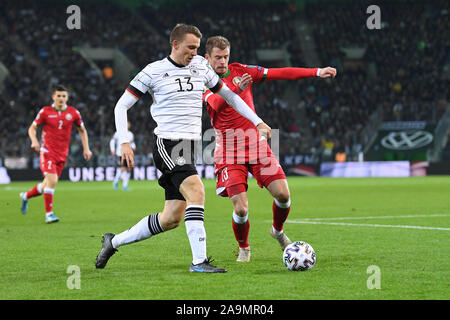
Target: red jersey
224,116
234,133
57,128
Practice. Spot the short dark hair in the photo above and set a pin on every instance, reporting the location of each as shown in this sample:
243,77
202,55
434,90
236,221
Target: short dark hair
180,30
216,42
59,88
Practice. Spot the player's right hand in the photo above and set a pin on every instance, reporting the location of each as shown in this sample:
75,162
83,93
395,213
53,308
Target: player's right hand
264,130
328,72
245,82
127,155
35,146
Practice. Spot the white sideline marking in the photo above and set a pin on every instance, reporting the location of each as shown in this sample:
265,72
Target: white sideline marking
369,225
321,221
375,217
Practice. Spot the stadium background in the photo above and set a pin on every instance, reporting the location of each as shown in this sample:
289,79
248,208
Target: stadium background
391,80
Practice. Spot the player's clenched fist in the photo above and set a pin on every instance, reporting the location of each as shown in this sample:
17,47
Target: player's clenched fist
87,154
327,72
35,146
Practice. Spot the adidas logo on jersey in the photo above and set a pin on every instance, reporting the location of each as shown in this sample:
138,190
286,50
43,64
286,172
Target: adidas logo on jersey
165,75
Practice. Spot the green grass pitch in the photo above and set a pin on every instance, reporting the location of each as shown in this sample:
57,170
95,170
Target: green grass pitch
401,226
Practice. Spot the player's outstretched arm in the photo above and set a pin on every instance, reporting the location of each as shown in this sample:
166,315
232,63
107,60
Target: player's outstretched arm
126,101
87,153
32,133
291,73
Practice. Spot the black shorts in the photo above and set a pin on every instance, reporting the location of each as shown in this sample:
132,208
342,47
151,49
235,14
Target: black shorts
176,161
119,161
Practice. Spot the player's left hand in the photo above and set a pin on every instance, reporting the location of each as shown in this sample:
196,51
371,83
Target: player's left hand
87,154
127,155
328,72
264,130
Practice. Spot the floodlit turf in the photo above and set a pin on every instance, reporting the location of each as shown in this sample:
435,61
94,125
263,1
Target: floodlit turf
351,223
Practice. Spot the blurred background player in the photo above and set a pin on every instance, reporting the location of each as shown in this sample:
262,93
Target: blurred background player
176,84
124,172
237,153
56,121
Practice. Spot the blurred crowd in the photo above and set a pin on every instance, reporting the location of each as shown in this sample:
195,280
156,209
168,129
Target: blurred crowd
403,71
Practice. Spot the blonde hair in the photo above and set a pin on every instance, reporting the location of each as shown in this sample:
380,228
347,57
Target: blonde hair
216,42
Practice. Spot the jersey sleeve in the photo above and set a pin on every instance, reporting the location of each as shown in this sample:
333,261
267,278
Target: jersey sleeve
206,94
141,83
40,119
260,74
78,120
215,101
291,73
257,73
212,80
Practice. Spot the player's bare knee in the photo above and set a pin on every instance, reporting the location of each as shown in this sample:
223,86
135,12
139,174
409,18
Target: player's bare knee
172,214
173,222
241,209
170,220
50,181
193,191
282,197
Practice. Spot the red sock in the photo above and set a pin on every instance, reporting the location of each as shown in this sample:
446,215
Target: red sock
280,214
36,191
241,232
48,199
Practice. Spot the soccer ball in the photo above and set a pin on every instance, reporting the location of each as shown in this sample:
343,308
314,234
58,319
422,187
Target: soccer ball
299,256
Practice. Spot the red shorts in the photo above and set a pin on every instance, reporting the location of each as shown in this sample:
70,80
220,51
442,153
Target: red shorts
232,178
51,162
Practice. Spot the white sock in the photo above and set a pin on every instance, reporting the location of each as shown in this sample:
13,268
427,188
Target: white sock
144,229
282,205
126,179
276,232
238,219
196,232
118,175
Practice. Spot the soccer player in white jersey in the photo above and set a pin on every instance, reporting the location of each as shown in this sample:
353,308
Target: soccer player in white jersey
124,172
176,84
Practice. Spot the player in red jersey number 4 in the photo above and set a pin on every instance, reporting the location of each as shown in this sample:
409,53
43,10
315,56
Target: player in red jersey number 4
240,149
56,121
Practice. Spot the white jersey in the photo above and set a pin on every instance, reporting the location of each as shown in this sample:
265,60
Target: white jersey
114,144
177,95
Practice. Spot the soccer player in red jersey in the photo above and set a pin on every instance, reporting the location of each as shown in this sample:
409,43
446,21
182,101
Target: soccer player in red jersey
240,149
56,121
